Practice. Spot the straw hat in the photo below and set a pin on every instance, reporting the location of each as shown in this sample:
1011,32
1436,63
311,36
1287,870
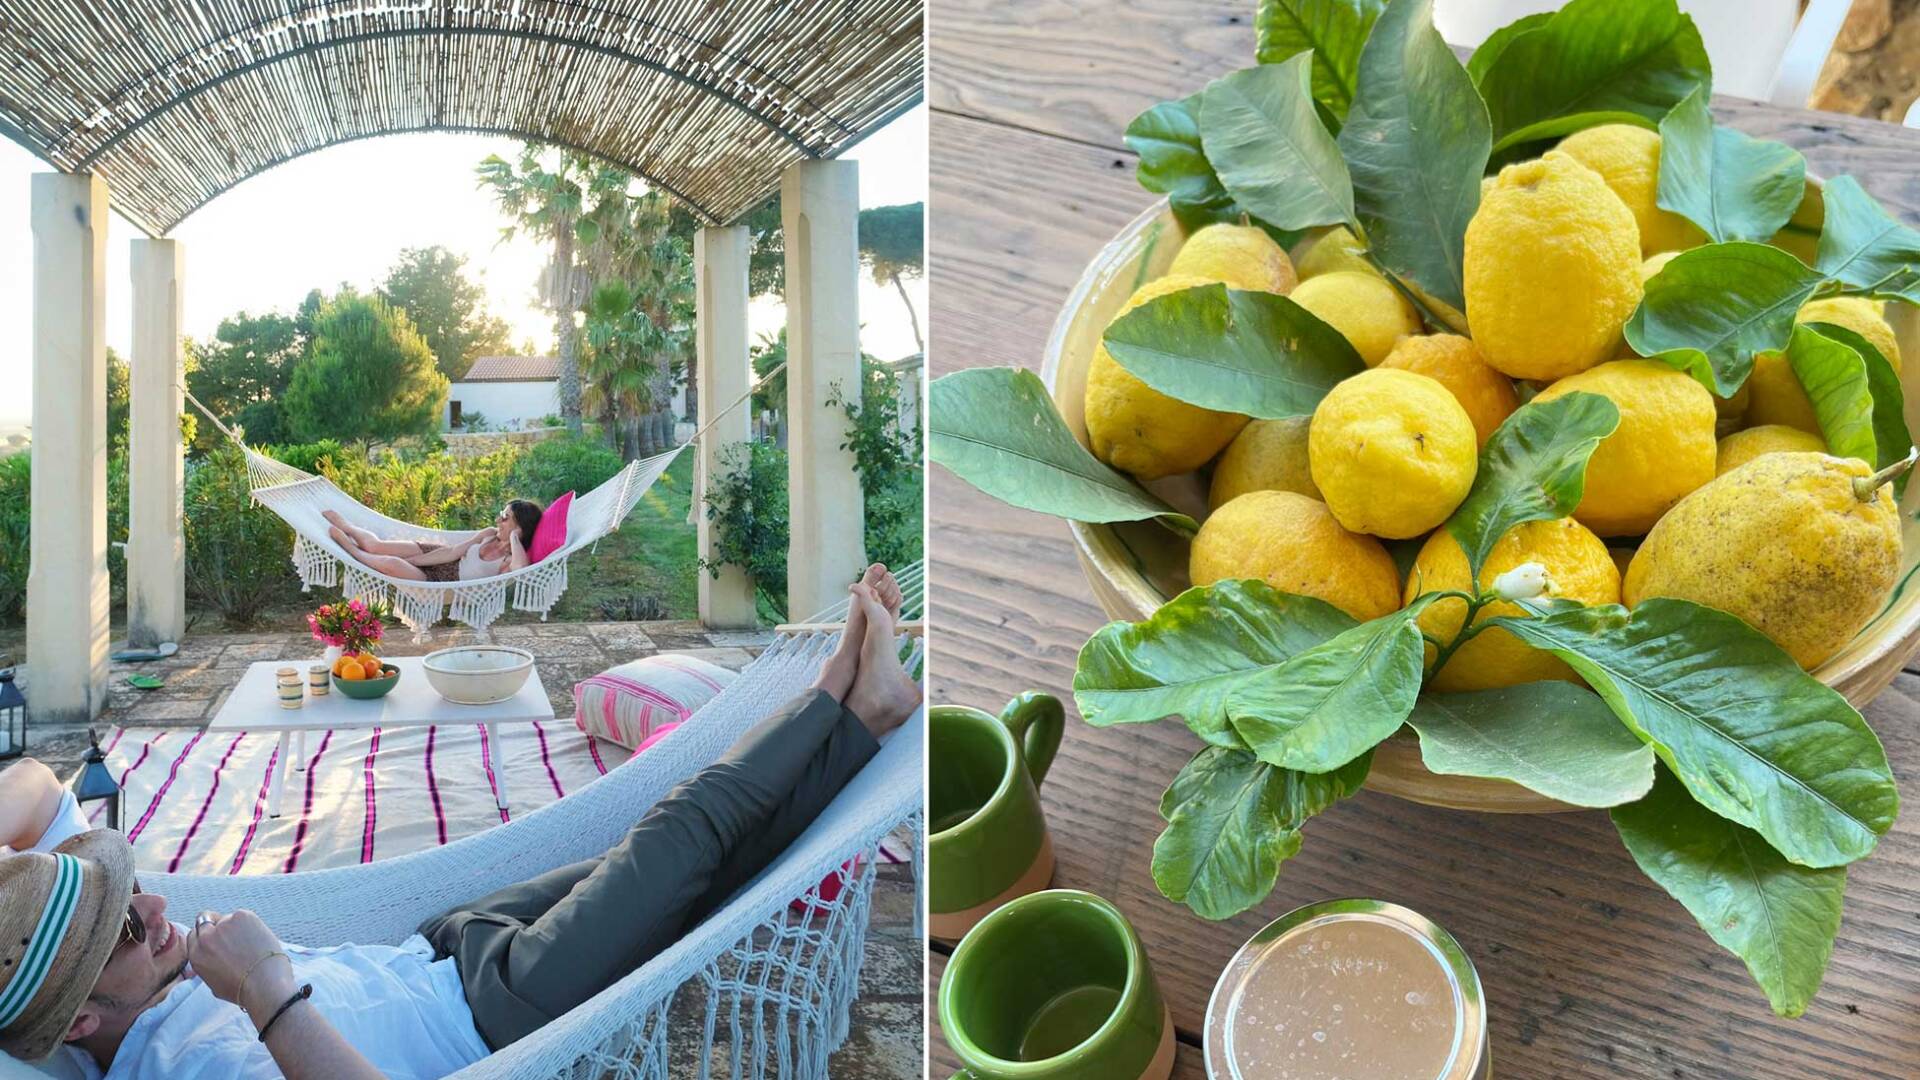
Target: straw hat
60,918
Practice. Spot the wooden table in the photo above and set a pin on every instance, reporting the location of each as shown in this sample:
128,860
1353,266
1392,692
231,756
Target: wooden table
254,705
1590,970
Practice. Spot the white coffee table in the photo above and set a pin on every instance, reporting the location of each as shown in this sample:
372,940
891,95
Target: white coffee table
254,705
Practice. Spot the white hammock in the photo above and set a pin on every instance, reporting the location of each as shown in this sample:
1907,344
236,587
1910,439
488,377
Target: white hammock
300,498
777,984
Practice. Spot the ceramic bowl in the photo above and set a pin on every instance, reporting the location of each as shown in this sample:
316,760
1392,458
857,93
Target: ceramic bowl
478,674
1134,567
368,689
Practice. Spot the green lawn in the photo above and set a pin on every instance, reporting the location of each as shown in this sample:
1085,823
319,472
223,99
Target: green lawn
651,560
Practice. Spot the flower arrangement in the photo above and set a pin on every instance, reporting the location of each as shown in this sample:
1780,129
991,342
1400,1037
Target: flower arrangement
353,626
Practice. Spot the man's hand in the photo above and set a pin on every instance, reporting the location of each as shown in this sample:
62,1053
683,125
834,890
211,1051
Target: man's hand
224,950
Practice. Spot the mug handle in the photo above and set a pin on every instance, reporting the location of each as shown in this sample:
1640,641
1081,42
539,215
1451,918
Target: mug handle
1037,721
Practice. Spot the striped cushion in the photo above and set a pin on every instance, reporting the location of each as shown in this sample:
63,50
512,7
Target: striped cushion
625,704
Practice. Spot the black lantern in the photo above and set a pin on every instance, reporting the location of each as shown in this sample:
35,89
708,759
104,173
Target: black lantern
13,716
95,784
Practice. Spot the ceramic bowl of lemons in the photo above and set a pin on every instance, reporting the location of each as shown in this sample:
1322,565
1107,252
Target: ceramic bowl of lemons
1134,567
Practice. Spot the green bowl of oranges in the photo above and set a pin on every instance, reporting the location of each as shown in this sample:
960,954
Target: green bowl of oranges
364,676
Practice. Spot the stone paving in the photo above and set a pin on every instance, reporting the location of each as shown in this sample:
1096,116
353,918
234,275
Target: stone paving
887,1036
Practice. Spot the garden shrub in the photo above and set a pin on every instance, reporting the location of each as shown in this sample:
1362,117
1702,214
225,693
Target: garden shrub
748,507
238,556
553,467
15,539
438,491
307,456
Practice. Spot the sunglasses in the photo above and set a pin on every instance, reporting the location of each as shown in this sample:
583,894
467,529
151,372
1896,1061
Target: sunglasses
133,929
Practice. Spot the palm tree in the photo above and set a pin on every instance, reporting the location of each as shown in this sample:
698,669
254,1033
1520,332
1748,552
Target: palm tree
570,206
619,371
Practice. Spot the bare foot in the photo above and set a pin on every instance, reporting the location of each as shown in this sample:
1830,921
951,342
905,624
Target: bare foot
341,538
836,675
883,695
333,517
885,588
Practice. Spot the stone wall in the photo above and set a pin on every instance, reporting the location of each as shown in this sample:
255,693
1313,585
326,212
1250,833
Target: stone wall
463,444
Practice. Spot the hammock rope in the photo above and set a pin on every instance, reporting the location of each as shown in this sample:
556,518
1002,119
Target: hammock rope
302,499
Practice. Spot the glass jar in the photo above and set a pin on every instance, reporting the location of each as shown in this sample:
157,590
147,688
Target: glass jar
1349,988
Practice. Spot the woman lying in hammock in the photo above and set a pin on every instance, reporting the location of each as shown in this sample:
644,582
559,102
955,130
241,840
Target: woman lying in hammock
485,554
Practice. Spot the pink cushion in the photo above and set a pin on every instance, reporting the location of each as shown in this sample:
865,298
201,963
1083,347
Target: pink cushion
659,733
551,533
626,705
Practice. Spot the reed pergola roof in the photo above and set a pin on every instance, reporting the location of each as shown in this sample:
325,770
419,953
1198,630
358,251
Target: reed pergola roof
172,102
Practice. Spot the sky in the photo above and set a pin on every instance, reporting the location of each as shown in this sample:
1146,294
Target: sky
342,215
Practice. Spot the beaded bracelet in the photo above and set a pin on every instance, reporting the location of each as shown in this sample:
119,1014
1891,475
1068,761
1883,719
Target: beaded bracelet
299,996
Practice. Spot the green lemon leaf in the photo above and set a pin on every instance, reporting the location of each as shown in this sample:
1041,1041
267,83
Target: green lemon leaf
1863,247
1332,30
1891,438
997,429
1551,737
1533,468
1835,378
1231,820
1417,142
1734,186
1489,51
1328,705
1754,738
1592,62
1255,353
1193,651
1274,156
1167,138
1710,309
1778,918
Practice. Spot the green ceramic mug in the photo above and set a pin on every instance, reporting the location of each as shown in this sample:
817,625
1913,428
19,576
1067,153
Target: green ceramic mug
988,840
1055,986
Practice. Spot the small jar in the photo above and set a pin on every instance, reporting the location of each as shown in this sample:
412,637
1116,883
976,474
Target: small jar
1351,988
292,690
317,680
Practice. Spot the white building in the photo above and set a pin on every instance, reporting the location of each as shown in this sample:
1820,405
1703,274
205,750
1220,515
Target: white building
506,392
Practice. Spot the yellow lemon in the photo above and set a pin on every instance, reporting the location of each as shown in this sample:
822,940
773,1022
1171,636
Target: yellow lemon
1552,269
1859,314
1743,446
1392,452
1578,568
1775,396
1267,455
1628,159
1798,545
1242,256
1452,361
1134,427
1292,543
1332,251
1663,448
1368,312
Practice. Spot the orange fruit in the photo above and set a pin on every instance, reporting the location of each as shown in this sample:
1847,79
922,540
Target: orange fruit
372,667
353,672
340,666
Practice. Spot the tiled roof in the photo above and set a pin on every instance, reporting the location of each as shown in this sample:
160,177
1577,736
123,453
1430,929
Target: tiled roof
513,369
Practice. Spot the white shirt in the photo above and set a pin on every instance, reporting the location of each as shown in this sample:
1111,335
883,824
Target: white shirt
472,566
404,1011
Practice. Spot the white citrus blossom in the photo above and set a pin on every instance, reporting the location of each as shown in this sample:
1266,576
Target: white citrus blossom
1523,582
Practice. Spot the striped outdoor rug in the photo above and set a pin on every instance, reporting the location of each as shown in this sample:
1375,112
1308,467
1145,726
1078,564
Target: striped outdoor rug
196,801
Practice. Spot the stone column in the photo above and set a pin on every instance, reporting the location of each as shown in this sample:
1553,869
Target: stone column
156,553
725,372
67,591
820,212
